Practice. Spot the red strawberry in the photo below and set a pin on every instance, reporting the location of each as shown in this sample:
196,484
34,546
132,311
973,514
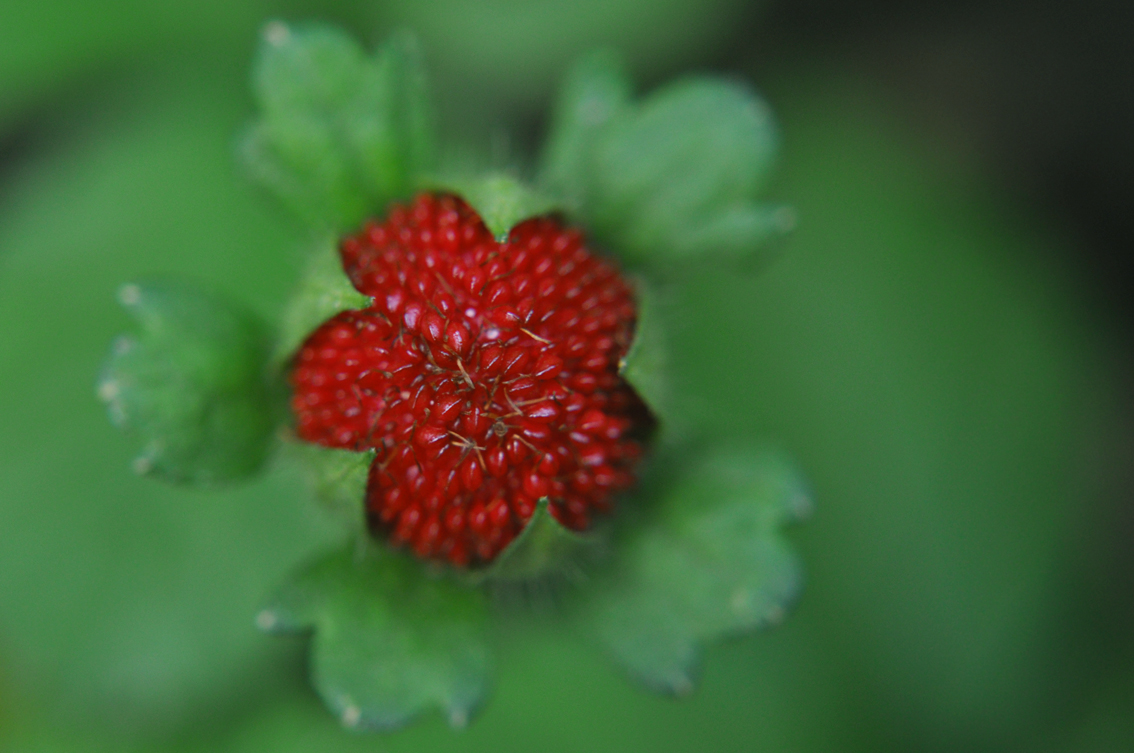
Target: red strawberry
485,375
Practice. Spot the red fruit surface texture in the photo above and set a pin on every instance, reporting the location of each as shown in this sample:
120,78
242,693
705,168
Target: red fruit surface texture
484,374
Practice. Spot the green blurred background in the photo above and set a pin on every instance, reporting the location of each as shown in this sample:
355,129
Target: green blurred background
944,344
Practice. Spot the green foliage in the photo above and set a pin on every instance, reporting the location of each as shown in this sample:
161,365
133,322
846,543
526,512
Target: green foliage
391,640
645,365
323,291
936,380
337,479
672,177
340,134
543,548
499,199
594,92
712,562
194,386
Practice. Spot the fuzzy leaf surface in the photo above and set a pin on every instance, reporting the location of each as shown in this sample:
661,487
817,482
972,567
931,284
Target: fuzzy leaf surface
674,176
542,548
341,134
711,563
391,640
644,366
597,88
678,175
337,479
323,291
499,199
193,386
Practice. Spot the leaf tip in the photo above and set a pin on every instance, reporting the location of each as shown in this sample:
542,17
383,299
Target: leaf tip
109,392
351,715
129,295
543,548
458,717
682,685
190,384
275,33
677,679
500,198
267,620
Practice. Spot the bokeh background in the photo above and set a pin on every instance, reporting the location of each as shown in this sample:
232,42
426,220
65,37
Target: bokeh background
944,345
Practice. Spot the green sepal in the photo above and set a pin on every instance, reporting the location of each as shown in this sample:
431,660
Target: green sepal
391,638
545,547
337,479
341,134
323,291
596,89
708,561
194,385
674,176
645,365
500,199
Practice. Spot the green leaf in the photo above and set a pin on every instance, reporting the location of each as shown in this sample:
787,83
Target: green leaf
391,639
323,291
684,167
645,365
544,547
341,135
337,479
712,563
501,200
193,386
672,177
596,89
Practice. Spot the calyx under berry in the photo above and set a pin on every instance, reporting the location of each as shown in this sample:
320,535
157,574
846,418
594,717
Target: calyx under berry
484,374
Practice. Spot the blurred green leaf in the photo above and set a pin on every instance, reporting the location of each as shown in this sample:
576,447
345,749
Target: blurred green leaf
390,639
555,693
193,386
672,177
341,135
501,200
323,291
645,365
711,562
684,167
337,479
595,90
542,548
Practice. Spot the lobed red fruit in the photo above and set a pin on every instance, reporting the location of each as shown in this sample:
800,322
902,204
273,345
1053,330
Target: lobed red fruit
484,373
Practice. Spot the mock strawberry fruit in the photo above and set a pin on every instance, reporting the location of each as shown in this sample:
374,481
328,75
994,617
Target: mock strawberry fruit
484,375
